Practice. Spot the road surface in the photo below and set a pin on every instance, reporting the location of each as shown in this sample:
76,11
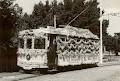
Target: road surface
105,73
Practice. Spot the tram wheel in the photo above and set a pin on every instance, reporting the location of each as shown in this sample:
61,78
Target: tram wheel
43,70
21,71
25,71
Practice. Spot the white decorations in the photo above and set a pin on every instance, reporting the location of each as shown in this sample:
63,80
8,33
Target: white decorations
76,51
32,58
75,46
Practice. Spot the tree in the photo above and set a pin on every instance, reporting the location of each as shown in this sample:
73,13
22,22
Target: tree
24,22
93,15
112,43
66,11
117,43
9,14
68,4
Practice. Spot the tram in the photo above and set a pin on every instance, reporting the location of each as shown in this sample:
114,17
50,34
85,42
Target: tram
49,48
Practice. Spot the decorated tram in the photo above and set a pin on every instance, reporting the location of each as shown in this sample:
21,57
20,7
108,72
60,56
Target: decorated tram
51,47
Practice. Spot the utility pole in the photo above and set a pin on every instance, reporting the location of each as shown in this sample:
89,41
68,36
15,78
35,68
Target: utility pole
101,40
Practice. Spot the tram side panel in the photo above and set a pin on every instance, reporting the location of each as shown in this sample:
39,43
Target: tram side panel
77,51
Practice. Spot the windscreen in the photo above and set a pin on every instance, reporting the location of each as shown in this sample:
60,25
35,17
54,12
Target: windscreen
21,43
29,43
39,43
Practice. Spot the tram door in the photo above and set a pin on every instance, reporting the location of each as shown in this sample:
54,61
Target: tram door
52,55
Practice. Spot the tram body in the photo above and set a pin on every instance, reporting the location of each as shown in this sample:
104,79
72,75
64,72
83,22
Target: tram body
50,47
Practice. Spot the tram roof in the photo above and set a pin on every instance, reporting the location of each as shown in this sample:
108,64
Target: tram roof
68,31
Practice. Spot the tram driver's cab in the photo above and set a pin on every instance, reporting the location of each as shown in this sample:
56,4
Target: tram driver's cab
32,50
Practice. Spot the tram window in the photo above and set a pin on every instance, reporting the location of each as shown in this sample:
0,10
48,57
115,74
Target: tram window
39,43
29,43
21,43
63,39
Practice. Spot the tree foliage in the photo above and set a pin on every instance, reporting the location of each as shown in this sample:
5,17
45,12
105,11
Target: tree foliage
111,43
65,11
9,14
117,43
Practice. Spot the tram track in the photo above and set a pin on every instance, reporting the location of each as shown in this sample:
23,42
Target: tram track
22,76
19,77
8,74
35,75
28,77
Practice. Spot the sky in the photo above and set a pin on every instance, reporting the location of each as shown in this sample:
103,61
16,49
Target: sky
108,5
28,5
112,6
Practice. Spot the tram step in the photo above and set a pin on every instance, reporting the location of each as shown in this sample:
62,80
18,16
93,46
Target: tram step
52,71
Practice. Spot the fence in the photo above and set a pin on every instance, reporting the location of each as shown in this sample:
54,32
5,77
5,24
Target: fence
8,60
110,57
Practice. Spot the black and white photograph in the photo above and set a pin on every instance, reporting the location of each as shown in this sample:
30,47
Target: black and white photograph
59,40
